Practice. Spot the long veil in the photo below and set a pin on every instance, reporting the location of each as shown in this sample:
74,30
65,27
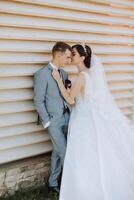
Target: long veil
100,96
114,130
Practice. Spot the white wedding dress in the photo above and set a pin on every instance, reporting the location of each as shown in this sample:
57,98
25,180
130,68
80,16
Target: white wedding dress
99,161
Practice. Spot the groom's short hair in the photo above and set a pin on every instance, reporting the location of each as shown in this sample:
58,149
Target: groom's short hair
61,47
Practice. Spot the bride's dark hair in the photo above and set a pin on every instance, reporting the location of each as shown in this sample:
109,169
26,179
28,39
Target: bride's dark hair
84,51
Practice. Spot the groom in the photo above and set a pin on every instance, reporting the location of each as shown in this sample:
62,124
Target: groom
52,109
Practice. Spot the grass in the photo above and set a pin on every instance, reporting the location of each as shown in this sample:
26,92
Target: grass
38,193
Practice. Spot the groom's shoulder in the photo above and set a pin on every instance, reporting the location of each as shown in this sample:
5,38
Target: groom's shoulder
43,71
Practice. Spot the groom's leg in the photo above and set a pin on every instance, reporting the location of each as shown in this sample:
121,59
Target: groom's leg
59,149
55,169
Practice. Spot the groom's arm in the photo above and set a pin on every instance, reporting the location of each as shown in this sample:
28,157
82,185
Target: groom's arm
40,86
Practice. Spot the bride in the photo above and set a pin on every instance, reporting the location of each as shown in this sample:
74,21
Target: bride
99,161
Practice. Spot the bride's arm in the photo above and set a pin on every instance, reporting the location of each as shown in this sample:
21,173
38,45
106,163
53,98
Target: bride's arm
74,91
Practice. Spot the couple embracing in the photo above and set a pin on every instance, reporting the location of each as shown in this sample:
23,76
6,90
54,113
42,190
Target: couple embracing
93,142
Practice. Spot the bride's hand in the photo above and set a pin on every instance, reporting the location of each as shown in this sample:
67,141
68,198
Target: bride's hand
68,90
56,75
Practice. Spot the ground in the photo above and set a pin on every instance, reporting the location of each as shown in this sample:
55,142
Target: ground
40,193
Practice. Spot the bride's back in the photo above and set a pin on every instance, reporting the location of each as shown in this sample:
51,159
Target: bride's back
84,96
83,99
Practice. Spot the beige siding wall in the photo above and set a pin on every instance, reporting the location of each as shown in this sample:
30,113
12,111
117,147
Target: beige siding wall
28,30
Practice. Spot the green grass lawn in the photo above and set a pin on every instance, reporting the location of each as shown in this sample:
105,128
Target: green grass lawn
40,193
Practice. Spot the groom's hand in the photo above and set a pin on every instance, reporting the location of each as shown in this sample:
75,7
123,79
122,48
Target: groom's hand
56,75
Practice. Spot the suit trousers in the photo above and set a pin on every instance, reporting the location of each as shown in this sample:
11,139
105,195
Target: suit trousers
58,135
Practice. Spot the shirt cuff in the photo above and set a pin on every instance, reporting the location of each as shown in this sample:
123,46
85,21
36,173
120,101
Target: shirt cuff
46,125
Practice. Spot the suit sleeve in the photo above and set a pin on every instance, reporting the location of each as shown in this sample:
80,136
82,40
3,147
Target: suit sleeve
40,87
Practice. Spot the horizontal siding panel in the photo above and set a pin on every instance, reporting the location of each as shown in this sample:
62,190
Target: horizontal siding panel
48,35
121,87
20,130
59,13
23,57
125,104
109,49
18,69
15,107
21,140
90,7
24,151
17,118
114,2
127,112
119,78
26,46
117,59
120,68
113,49
16,95
123,95
55,24
10,83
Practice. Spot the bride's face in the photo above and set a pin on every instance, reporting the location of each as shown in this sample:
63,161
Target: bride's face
76,59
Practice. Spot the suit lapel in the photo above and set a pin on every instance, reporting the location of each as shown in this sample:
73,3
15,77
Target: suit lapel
61,72
50,67
63,79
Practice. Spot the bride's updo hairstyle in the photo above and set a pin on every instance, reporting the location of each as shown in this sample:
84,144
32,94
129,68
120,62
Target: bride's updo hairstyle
85,51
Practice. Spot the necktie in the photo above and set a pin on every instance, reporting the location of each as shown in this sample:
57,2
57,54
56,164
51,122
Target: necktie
59,71
65,104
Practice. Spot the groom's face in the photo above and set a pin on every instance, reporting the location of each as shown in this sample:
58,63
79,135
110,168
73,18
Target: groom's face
65,58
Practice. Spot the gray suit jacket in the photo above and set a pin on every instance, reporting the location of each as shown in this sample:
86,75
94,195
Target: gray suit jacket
47,97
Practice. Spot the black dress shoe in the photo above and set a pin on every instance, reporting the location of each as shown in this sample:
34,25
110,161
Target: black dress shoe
54,189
